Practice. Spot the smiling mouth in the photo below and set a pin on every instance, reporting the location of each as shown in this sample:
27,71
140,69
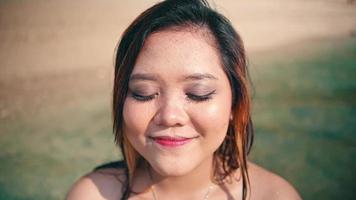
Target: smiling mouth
168,141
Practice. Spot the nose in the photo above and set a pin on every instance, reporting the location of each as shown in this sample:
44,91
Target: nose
171,113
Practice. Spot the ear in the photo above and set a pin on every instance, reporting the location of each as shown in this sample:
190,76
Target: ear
231,116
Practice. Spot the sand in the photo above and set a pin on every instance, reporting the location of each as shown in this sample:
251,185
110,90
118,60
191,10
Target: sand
57,51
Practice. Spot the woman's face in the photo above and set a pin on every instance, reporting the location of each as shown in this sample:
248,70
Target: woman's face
178,106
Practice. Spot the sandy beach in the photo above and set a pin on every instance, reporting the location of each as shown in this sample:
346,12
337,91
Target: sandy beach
48,48
52,40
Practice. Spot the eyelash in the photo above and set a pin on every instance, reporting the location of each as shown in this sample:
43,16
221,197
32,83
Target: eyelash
143,98
196,98
201,98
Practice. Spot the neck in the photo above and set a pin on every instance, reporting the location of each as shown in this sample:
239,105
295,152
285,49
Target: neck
196,182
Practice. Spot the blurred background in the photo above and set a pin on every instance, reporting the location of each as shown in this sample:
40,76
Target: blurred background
56,62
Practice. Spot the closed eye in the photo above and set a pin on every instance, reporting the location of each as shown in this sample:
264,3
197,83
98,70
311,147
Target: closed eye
143,98
200,98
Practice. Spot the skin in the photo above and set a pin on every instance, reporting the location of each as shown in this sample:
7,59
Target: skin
174,70
178,68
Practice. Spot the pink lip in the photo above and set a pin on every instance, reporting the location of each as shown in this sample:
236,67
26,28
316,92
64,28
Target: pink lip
171,141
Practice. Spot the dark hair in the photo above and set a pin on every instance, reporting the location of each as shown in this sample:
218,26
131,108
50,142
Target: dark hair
232,153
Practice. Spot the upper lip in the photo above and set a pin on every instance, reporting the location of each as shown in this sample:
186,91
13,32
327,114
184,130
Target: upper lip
167,137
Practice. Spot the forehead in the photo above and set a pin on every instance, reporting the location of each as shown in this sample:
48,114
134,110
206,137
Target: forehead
176,52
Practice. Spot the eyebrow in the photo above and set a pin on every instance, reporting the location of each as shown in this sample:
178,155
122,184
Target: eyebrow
200,76
154,77
143,77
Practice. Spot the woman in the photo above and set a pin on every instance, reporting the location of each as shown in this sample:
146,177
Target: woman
181,112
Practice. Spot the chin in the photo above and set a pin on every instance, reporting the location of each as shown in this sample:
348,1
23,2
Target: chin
176,167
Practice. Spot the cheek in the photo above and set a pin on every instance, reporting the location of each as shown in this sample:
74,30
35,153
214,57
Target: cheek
136,118
214,121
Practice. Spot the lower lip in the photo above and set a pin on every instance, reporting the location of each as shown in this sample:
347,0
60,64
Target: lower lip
172,142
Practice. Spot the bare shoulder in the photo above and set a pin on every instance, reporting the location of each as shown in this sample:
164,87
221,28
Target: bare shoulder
100,184
267,185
